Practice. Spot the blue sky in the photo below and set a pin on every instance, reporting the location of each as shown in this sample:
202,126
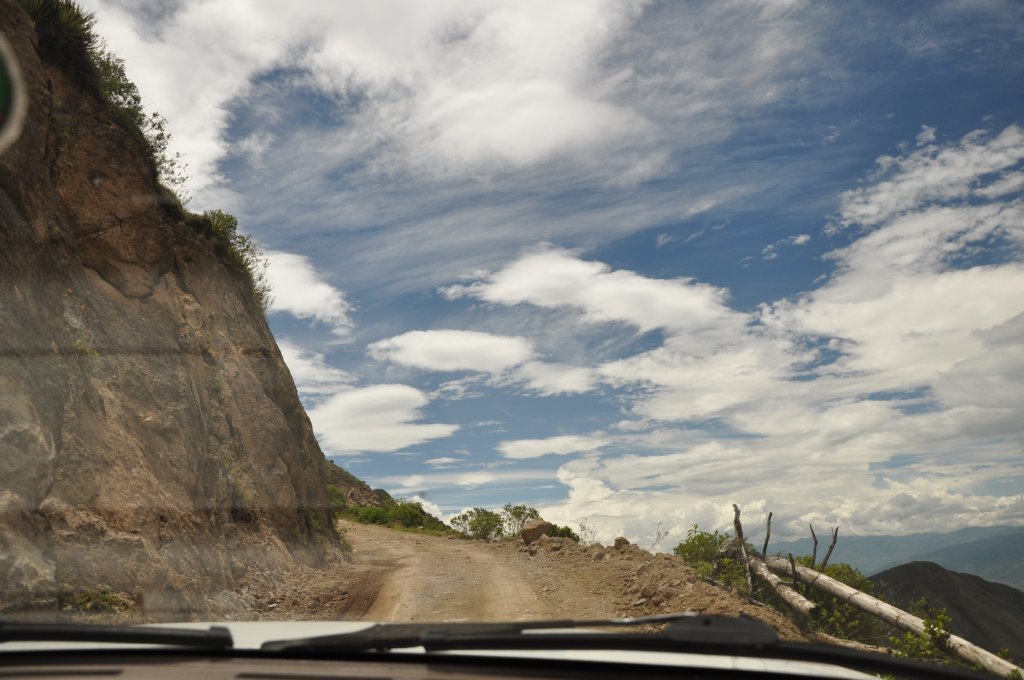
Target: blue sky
629,262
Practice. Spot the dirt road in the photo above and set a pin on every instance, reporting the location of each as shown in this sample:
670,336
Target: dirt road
406,576
430,578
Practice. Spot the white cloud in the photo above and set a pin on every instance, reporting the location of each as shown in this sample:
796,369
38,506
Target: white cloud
556,278
925,136
431,507
453,350
548,378
910,346
299,290
561,445
443,461
375,418
434,481
663,240
312,375
507,359
801,239
930,173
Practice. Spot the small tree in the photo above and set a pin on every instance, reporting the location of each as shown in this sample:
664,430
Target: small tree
516,516
480,523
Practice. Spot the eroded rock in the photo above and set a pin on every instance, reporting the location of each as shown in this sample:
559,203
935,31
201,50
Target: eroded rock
534,529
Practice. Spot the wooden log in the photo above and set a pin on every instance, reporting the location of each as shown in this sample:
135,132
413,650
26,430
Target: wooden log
849,644
967,651
786,593
743,548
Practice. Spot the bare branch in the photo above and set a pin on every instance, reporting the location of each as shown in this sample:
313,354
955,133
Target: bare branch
831,547
767,535
743,548
796,579
814,552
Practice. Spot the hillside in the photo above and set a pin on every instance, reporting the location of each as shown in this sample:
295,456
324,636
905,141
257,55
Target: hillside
995,553
988,614
152,442
995,558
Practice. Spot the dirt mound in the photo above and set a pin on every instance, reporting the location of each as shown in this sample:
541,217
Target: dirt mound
627,581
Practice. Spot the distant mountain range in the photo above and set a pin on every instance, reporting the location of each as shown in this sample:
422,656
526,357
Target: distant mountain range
988,614
993,553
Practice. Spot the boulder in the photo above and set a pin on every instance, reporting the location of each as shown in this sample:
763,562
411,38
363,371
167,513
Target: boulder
621,542
534,529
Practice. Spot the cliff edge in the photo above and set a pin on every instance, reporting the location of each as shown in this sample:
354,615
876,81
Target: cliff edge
151,438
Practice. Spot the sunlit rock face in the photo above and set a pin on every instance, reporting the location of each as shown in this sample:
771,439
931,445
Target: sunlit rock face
151,439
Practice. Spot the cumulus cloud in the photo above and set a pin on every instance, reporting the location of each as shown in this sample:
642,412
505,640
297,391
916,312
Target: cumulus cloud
912,345
561,445
455,84
453,350
299,290
431,507
375,418
506,359
556,278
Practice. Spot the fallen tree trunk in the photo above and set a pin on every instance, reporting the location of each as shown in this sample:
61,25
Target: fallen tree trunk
792,598
849,644
957,645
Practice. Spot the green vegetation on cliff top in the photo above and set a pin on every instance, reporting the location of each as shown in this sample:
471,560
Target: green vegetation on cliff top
67,39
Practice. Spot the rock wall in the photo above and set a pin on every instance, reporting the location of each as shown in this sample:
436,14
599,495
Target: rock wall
151,438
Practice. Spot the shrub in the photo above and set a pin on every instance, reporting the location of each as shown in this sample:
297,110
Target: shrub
66,36
95,601
565,532
480,523
125,102
515,516
239,251
932,645
840,619
401,513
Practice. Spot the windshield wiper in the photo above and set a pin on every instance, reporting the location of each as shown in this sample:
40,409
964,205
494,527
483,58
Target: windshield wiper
215,637
685,633
682,629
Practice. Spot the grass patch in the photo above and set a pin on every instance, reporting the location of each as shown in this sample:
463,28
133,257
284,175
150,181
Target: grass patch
95,601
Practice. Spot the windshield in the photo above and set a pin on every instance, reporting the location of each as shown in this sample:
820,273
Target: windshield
487,311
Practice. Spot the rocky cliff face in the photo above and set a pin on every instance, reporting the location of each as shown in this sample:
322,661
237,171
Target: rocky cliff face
151,437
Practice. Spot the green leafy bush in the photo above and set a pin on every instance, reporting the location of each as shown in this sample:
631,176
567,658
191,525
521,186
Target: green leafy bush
932,645
565,532
122,95
705,553
515,516
840,619
480,523
241,252
66,35
398,513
